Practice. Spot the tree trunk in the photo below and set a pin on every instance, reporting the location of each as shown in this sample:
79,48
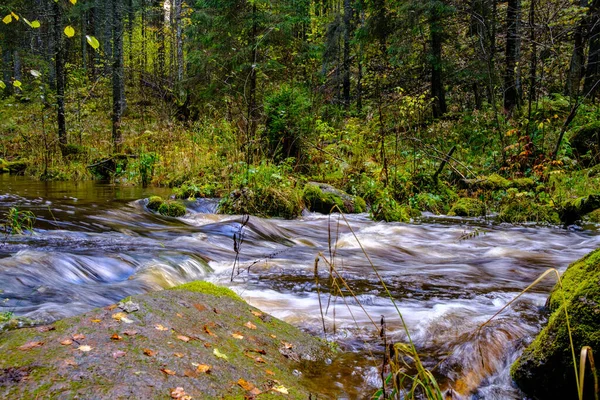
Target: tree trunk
59,60
577,63
179,40
346,61
436,32
592,69
511,92
117,74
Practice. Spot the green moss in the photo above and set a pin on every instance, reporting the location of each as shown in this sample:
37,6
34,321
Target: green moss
154,202
594,216
519,207
168,208
320,202
545,370
360,205
495,182
265,201
387,209
468,207
208,288
523,183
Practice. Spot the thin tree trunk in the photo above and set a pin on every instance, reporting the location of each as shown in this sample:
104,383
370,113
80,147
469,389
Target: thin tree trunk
60,75
117,74
437,85
577,63
346,61
511,90
533,60
179,40
592,69
17,69
83,41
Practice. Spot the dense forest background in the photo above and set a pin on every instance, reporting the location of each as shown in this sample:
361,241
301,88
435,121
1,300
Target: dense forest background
402,102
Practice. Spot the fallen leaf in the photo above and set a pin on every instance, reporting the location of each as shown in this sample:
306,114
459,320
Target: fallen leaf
190,374
203,369
115,337
259,351
66,342
255,392
31,345
269,372
96,321
183,338
273,336
259,360
127,320
245,384
179,393
237,336
199,307
256,313
250,325
217,353
149,353
111,307
78,336
207,345
118,354
119,316
286,345
46,328
168,371
178,355
84,348
71,362
179,315
130,333
208,331
280,389
160,327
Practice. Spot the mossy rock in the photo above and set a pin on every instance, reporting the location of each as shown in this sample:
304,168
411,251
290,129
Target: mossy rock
158,346
519,207
573,210
594,216
468,207
585,143
167,208
385,208
323,198
13,167
545,369
268,201
495,182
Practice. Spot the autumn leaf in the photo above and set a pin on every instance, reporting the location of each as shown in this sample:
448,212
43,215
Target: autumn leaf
78,336
118,354
69,31
46,328
190,374
183,338
70,362
269,372
92,41
273,336
199,307
280,389
203,369
7,19
84,348
66,342
31,345
217,353
159,327
111,307
245,384
236,335
256,313
168,371
208,331
149,353
286,345
115,337
250,325
96,321
178,355
179,393
179,315
118,316
260,360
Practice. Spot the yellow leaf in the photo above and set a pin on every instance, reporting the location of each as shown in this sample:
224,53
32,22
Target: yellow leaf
250,325
96,321
35,24
118,316
69,31
203,368
15,16
168,371
17,84
84,348
217,353
2,85
280,389
159,327
73,1
7,19
92,41
237,336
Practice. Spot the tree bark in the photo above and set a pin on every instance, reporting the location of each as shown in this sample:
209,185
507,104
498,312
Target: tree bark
59,61
179,40
346,61
576,66
592,69
117,74
436,32
511,92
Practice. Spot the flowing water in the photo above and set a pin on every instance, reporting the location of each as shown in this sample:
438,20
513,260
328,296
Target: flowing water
95,244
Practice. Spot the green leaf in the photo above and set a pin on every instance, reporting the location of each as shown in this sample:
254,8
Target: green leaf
69,31
217,353
17,84
92,41
2,85
35,73
7,19
35,24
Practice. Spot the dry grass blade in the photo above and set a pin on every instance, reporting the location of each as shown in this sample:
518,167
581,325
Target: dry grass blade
587,354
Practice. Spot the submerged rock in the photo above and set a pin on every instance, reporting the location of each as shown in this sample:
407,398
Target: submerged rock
199,338
168,208
322,198
546,370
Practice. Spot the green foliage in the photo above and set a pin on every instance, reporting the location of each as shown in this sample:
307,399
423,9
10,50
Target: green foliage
17,222
468,207
520,207
385,208
325,199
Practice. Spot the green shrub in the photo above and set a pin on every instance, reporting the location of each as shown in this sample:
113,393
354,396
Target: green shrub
385,208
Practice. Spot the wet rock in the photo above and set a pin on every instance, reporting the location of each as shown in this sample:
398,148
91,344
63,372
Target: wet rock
468,207
322,198
546,370
167,208
128,306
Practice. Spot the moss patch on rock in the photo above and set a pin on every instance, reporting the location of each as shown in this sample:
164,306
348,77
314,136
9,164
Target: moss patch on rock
208,288
265,201
168,208
323,198
468,207
108,353
385,208
545,370
13,167
519,207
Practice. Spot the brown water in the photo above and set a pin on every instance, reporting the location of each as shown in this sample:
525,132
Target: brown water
95,244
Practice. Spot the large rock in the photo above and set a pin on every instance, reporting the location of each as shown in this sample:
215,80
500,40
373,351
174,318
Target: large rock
322,198
201,338
585,143
546,370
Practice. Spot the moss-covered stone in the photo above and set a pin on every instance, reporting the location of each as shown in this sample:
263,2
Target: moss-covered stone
573,210
594,216
585,143
468,207
546,370
168,208
520,207
265,201
323,198
208,288
13,167
385,208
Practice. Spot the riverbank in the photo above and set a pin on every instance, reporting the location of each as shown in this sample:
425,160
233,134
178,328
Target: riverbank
197,340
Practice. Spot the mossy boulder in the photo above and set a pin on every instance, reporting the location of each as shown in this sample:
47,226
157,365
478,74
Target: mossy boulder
495,182
200,338
573,210
322,198
545,370
520,207
585,144
265,201
468,207
13,167
385,208
167,208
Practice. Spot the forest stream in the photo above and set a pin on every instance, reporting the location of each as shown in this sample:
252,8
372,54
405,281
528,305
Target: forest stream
95,244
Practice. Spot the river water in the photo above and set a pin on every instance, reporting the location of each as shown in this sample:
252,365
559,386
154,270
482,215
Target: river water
94,244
